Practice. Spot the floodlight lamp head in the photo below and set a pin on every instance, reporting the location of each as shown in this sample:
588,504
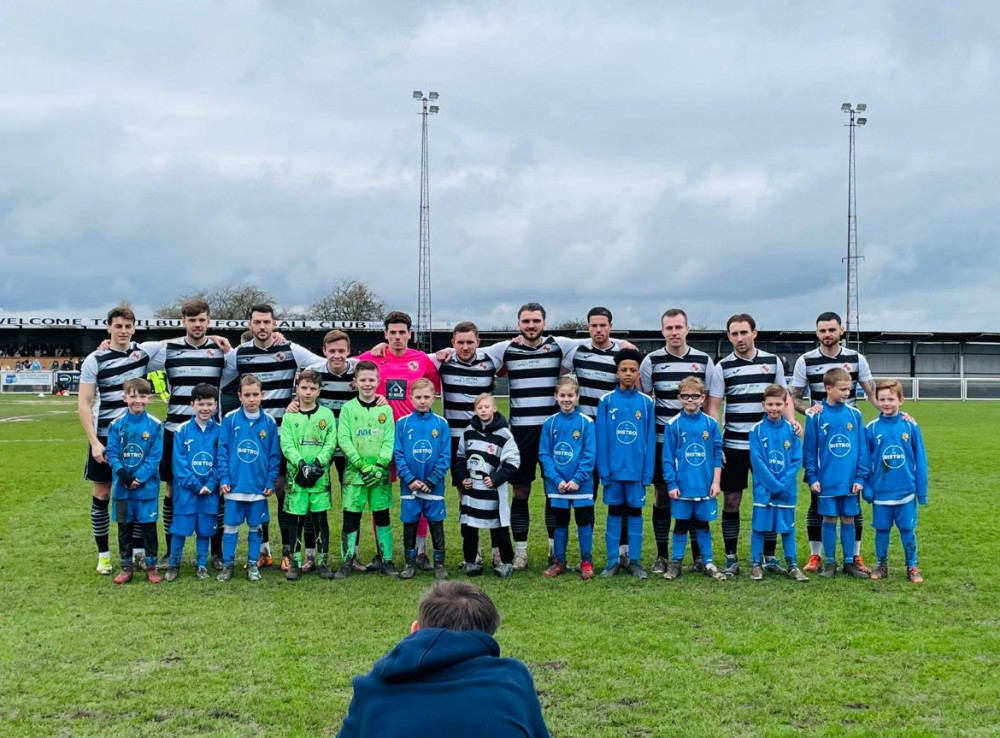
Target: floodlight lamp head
432,95
418,95
862,121
846,107
862,107
433,109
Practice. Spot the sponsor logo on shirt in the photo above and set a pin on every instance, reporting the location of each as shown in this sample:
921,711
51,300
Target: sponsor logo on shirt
839,445
247,451
422,450
695,454
202,463
893,457
132,455
395,390
776,461
626,433
562,453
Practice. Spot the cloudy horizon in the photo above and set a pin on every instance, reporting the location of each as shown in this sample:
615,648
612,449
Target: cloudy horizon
638,156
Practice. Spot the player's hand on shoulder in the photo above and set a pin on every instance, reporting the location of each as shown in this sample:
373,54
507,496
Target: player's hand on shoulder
444,355
293,406
814,410
380,400
104,345
629,345
378,350
223,343
278,337
797,427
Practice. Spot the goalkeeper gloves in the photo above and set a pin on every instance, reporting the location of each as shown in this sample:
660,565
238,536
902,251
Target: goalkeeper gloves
125,478
309,474
373,475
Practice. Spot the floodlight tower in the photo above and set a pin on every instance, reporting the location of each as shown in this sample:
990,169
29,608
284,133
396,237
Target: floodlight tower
852,313
423,337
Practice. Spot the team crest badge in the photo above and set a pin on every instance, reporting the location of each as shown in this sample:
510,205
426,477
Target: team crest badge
413,366
381,417
262,434
638,414
765,369
847,367
279,356
322,425
135,354
490,448
694,367
546,348
704,435
434,433
576,435
906,437
145,435
210,353
788,445
850,426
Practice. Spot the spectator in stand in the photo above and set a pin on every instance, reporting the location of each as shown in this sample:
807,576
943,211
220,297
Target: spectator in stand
36,366
66,365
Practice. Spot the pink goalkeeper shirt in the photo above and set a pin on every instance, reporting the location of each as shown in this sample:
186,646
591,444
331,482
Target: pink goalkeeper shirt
397,374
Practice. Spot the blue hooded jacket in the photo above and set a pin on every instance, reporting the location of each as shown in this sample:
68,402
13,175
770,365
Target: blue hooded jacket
438,682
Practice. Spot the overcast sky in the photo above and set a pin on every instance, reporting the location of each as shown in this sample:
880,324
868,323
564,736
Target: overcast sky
637,155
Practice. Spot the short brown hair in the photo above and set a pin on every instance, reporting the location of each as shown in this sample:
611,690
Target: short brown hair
309,375
775,390
248,379
691,384
398,317
890,384
336,335
138,385
124,310
465,326
457,605
194,306
673,313
837,374
365,366
741,318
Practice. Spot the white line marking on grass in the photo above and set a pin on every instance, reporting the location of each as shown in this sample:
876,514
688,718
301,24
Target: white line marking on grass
33,440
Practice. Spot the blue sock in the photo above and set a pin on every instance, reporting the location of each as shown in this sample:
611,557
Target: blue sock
201,551
756,547
679,544
882,546
635,538
150,562
561,539
586,533
613,534
704,538
176,550
847,539
788,546
254,540
830,541
229,548
909,540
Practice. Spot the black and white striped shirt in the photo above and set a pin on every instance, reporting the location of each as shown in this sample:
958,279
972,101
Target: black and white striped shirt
812,365
741,382
275,366
595,372
335,389
461,383
108,370
659,374
533,372
186,366
483,452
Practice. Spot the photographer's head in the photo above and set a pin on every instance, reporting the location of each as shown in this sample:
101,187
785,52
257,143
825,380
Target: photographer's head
457,605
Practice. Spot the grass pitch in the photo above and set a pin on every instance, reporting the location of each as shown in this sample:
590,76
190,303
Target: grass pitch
80,656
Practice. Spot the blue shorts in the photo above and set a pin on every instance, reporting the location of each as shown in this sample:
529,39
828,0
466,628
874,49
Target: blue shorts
772,519
135,511
186,524
630,494
681,509
843,506
411,510
904,516
254,514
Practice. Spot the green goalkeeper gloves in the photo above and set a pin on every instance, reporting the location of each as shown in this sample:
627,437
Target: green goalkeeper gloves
373,475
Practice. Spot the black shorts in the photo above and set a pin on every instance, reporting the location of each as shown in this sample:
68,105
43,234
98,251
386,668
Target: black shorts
98,472
167,460
658,465
455,440
527,437
735,470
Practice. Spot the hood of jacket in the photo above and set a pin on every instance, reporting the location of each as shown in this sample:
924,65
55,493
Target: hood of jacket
434,654
498,422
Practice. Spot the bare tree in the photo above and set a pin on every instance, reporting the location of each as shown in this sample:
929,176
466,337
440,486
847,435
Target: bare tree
232,302
573,324
349,300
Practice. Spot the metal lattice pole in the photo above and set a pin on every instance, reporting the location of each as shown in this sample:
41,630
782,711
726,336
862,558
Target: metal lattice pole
423,336
852,313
